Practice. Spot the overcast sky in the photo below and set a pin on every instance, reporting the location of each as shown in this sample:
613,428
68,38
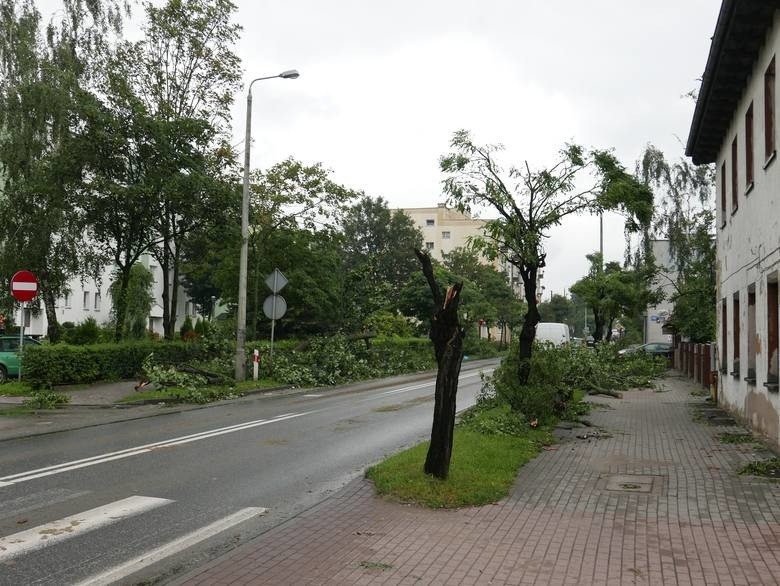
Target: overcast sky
384,84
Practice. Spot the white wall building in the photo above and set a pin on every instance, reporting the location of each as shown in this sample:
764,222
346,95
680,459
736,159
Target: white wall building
90,298
734,126
658,315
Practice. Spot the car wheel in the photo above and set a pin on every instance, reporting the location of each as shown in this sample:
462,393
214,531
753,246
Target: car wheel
3,374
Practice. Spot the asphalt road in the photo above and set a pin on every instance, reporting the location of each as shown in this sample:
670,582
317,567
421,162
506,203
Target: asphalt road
150,498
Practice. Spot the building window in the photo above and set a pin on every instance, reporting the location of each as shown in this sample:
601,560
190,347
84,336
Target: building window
769,111
735,333
734,177
751,336
97,300
429,245
723,194
86,300
445,235
724,332
430,222
749,147
67,301
772,337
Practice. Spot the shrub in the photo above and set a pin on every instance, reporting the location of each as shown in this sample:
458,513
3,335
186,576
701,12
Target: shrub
87,332
186,328
386,323
335,360
475,347
59,364
557,372
46,400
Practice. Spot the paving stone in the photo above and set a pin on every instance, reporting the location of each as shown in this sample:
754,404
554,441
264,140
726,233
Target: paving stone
566,521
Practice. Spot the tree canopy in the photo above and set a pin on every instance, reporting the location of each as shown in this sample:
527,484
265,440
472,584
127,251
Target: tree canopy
529,202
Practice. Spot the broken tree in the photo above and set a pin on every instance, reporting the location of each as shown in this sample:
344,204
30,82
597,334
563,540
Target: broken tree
447,337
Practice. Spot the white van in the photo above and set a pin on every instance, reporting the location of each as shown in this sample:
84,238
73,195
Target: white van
553,332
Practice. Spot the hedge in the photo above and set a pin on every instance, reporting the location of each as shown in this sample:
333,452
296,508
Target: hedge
62,364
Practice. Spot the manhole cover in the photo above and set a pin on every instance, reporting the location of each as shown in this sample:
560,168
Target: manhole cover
630,483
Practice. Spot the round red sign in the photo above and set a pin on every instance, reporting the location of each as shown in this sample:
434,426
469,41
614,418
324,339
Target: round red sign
24,286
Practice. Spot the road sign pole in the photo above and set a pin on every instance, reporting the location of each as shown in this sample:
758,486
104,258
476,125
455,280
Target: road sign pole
21,340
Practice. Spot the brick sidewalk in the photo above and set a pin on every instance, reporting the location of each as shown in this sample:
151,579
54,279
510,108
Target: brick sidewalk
658,502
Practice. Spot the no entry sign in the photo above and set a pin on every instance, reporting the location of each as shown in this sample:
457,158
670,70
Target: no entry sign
24,286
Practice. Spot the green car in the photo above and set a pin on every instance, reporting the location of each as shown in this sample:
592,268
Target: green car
9,355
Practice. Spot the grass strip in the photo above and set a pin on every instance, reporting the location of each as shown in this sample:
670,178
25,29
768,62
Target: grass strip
482,469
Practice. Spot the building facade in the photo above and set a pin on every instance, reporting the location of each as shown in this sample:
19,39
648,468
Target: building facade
91,298
444,230
734,127
657,316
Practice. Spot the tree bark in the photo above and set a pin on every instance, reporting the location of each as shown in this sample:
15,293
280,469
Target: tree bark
598,325
447,337
528,331
120,303
53,328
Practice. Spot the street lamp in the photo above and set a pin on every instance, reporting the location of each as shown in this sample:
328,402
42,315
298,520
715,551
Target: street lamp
240,359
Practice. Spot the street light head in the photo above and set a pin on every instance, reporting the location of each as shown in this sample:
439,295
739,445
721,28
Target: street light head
290,74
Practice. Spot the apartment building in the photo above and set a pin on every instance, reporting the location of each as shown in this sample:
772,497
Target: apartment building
734,126
446,229
657,317
91,298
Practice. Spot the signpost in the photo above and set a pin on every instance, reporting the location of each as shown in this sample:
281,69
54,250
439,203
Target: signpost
24,288
274,306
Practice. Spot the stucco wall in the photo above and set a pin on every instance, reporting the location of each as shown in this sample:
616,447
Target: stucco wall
748,254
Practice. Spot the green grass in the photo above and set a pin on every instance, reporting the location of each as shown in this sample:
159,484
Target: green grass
736,438
482,469
768,468
16,389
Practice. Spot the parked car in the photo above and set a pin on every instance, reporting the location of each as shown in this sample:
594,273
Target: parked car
664,349
9,355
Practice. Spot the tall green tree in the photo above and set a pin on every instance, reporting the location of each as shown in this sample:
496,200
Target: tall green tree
183,75
529,203
686,218
379,259
289,203
499,305
613,292
44,77
139,301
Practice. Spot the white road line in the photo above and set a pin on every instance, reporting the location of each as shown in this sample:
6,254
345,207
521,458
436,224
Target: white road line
427,384
109,457
57,531
113,575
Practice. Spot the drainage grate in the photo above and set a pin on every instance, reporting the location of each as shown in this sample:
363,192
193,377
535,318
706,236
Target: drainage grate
630,483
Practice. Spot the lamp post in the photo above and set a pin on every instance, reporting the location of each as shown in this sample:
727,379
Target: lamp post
240,358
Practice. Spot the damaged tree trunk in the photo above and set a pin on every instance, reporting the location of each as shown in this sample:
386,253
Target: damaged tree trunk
447,337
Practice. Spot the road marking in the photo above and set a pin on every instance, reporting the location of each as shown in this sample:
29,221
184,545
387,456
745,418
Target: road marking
427,384
109,457
57,531
113,575
312,395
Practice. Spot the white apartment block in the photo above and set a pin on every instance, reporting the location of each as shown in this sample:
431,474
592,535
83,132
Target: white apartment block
657,316
91,298
734,126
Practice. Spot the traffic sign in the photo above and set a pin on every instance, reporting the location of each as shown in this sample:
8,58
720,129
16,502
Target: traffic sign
24,286
274,306
276,281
